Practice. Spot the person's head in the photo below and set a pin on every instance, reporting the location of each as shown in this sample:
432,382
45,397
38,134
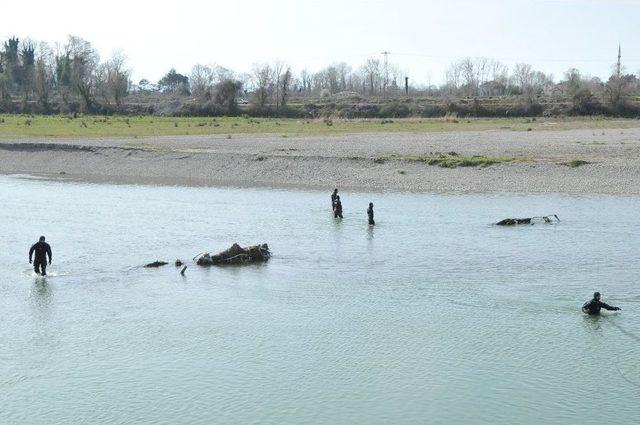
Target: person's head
335,190
596,295
41,238
370,204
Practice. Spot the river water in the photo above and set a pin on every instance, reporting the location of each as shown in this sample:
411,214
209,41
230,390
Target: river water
433,317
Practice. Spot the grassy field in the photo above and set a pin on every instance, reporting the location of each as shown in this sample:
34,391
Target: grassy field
12,126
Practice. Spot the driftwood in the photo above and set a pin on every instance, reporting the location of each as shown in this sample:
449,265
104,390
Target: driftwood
531,220
236,255
156,264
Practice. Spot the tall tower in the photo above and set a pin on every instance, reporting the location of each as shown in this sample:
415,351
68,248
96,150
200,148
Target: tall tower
619,63
385,83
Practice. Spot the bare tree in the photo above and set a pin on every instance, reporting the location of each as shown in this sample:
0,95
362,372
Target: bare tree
84,61
27,69
372,74
44,75
573,81
285,82
262,80
118,77
278,68
220,73
201,81
523,77
305,78
452,78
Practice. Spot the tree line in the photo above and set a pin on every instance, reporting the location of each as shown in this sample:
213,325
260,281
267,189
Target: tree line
71,77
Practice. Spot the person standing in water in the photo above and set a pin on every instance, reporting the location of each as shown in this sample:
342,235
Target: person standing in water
42,249
337,208
593,307
370,214
334,195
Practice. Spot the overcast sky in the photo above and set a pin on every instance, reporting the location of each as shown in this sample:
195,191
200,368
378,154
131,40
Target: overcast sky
423,36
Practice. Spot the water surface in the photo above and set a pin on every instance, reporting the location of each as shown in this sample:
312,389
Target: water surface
433,316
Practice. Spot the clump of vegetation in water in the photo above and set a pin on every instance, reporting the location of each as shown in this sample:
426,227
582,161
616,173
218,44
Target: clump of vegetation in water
575,163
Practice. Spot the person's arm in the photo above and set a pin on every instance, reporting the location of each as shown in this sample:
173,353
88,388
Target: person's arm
49,252
33,247
609,307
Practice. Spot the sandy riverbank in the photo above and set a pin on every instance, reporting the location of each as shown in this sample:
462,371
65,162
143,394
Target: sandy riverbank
346,161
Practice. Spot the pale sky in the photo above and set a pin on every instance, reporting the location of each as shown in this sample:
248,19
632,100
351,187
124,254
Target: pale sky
423,36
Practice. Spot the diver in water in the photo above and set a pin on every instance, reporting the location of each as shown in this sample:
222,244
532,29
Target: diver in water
593,307
337,208
370,214
42,249
334,196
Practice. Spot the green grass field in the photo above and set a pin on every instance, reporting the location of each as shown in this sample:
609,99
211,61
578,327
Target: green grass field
12,126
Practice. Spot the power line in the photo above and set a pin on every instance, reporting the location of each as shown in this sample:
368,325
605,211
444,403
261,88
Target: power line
515,59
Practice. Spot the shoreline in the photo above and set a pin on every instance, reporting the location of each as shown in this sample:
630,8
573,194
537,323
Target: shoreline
359,161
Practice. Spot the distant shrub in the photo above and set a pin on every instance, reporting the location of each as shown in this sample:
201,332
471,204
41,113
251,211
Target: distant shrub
359,110
584,103
394,110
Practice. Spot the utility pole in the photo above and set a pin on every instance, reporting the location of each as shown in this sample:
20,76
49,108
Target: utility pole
619,64
386,73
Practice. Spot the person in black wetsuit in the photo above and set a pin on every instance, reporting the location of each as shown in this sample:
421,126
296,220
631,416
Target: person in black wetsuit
370,214
594,306
334,195
42,249
337,208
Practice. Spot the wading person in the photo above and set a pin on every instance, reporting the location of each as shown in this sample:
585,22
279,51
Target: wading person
337,208
334,196
370,214
593,307
42,249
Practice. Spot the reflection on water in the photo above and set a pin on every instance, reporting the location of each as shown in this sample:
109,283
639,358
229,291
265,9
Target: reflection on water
370,232
430,314
41,294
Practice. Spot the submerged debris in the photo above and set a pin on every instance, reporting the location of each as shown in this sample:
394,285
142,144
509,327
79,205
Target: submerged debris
531,220
236,255
156,264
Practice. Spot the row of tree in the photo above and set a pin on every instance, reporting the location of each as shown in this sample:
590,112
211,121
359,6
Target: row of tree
71,76
487,77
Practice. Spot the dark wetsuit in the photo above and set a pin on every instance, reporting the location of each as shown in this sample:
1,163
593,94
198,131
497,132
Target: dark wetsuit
334,197
593,307
42,249
370,214
337,209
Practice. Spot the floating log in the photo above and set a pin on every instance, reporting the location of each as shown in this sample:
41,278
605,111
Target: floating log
236,255
513,221
156,264
531,220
